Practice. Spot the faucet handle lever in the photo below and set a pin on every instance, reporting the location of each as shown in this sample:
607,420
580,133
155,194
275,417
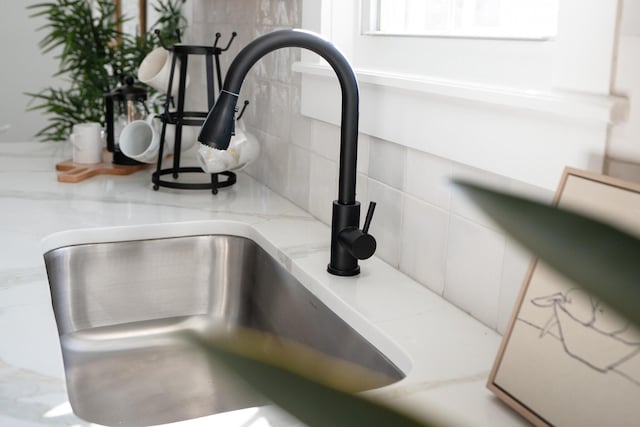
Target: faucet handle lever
359,243
367,219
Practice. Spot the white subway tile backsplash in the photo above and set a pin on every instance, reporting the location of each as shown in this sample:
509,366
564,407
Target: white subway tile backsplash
364,145
386,226
362,195
462,205
424,243
387,162
242,12
474,267
275,155
264,15
279,117
298,177
258,168
323,187
428,178
282,13
516,263
263,68
325,140
282,60
257,91
301,131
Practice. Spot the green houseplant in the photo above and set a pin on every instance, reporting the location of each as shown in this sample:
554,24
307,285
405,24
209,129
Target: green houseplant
597,256
94,57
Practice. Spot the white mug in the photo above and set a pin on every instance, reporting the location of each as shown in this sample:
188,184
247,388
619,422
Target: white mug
86,139
155,70
247,147
140,139
188,138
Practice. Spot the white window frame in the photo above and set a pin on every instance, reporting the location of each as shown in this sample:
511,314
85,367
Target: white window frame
567,78
371,23
440,56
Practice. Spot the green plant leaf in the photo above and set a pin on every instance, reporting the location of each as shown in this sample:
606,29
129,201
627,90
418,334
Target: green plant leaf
94,57
599,257
313,388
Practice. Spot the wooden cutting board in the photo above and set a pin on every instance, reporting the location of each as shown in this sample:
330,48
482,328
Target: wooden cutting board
76,172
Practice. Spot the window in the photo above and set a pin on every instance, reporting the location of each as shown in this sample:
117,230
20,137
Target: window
577,58
520,19
490,102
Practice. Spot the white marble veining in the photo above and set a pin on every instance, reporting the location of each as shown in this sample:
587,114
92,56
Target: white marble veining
446,354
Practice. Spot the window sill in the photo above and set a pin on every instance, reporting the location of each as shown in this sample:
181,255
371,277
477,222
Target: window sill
529,136
591,108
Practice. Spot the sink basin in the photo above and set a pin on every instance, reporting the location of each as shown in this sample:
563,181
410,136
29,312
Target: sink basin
119,304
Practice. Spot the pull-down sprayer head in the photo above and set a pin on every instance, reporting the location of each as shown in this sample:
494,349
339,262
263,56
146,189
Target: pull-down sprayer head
217,129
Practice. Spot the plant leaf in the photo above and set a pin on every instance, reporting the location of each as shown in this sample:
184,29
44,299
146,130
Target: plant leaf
81,34
599,257
300,381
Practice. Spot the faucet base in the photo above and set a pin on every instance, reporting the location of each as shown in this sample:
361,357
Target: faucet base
342,262
340,272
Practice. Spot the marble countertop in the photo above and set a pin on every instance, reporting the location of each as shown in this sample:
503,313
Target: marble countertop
446,354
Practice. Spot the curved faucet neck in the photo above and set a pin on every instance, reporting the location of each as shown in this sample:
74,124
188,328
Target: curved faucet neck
263,45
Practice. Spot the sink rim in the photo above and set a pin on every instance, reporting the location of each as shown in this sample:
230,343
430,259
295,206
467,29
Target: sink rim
357,320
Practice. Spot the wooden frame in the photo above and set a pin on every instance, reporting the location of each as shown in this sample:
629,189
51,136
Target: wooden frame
142,14
566,359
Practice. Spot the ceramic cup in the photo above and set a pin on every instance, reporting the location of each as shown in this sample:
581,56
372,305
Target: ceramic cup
140,139
155,70
243,149
86,140
188,140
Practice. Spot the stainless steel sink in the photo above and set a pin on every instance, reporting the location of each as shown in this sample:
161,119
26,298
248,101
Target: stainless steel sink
118,307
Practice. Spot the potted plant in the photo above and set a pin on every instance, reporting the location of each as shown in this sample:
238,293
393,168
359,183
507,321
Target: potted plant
95,57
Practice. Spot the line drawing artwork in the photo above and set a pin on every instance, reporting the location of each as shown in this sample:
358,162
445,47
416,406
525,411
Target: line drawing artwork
591,333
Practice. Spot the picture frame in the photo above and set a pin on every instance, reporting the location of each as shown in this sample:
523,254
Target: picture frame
565,358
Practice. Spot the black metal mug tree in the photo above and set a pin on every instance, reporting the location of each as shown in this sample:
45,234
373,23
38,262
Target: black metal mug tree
180,117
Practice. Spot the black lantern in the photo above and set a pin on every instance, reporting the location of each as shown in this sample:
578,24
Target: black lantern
124,104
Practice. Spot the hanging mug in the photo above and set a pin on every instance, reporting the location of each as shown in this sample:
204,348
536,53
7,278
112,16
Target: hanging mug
155,70
140,139
242,150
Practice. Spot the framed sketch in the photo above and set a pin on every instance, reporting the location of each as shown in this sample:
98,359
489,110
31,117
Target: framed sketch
566,359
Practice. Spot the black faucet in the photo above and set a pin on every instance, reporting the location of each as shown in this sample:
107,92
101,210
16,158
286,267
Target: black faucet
348,242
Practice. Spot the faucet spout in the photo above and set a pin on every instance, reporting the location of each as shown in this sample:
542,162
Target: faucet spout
218,128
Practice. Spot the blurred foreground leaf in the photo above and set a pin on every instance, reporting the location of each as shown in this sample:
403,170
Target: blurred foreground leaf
601,258
315,389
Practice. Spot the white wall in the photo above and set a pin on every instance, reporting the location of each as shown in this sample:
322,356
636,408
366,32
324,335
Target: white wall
24,69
